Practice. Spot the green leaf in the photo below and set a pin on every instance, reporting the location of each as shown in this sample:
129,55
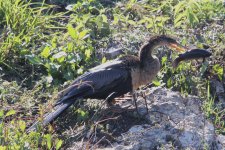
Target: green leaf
179,7
142,21
70,47
131,22
60,56
1,113
197,6
156,82
169,83
195,17
218,70
164,59
22,125
68,75
46,52
99,22
88,53
72,31
24,52
103,60
83,33
192,17
149,25
11,112
178,24
104,18
1,128
82,114
80,71
58,144
204,67
116,19
54,42
179,18
34,59
48,140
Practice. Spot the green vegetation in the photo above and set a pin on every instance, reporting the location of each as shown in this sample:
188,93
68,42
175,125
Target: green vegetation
42,46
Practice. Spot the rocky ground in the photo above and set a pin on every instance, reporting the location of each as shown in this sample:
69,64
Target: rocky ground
172,122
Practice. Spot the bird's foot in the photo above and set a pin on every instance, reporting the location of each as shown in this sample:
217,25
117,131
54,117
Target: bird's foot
139,111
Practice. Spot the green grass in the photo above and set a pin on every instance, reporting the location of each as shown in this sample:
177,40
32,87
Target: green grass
41,48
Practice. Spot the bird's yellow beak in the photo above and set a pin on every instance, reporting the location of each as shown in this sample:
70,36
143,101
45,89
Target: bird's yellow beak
178,47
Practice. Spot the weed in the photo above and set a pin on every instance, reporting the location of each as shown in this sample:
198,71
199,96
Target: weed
41,48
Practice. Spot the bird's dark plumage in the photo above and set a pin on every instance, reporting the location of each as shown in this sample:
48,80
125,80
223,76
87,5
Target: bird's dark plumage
100,81
120,76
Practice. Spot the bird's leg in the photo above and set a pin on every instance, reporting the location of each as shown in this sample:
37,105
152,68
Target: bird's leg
146,104
135,101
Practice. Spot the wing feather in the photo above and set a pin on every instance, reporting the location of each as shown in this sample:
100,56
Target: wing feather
92,83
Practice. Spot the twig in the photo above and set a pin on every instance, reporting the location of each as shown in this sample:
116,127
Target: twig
98,142
114,118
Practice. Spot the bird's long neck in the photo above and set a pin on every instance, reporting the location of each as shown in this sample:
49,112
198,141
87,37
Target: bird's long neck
149,66
145,53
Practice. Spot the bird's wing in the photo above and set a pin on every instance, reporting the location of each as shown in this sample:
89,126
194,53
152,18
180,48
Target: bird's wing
97,80
93,82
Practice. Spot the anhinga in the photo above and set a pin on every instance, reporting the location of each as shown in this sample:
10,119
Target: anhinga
114,78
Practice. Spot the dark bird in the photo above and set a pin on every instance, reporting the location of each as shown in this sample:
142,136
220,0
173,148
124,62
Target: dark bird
191,54
114,78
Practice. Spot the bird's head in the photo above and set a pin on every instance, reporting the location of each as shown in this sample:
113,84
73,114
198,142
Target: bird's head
168,41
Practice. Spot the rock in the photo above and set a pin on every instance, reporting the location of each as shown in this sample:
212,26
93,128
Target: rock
173,122
217,89
218,86
221,141
69,7
176,122
113,52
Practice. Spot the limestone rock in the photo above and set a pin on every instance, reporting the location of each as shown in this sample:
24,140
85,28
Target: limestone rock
113,52
173,122
217,89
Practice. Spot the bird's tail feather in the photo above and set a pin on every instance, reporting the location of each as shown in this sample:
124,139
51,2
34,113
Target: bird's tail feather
51,116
